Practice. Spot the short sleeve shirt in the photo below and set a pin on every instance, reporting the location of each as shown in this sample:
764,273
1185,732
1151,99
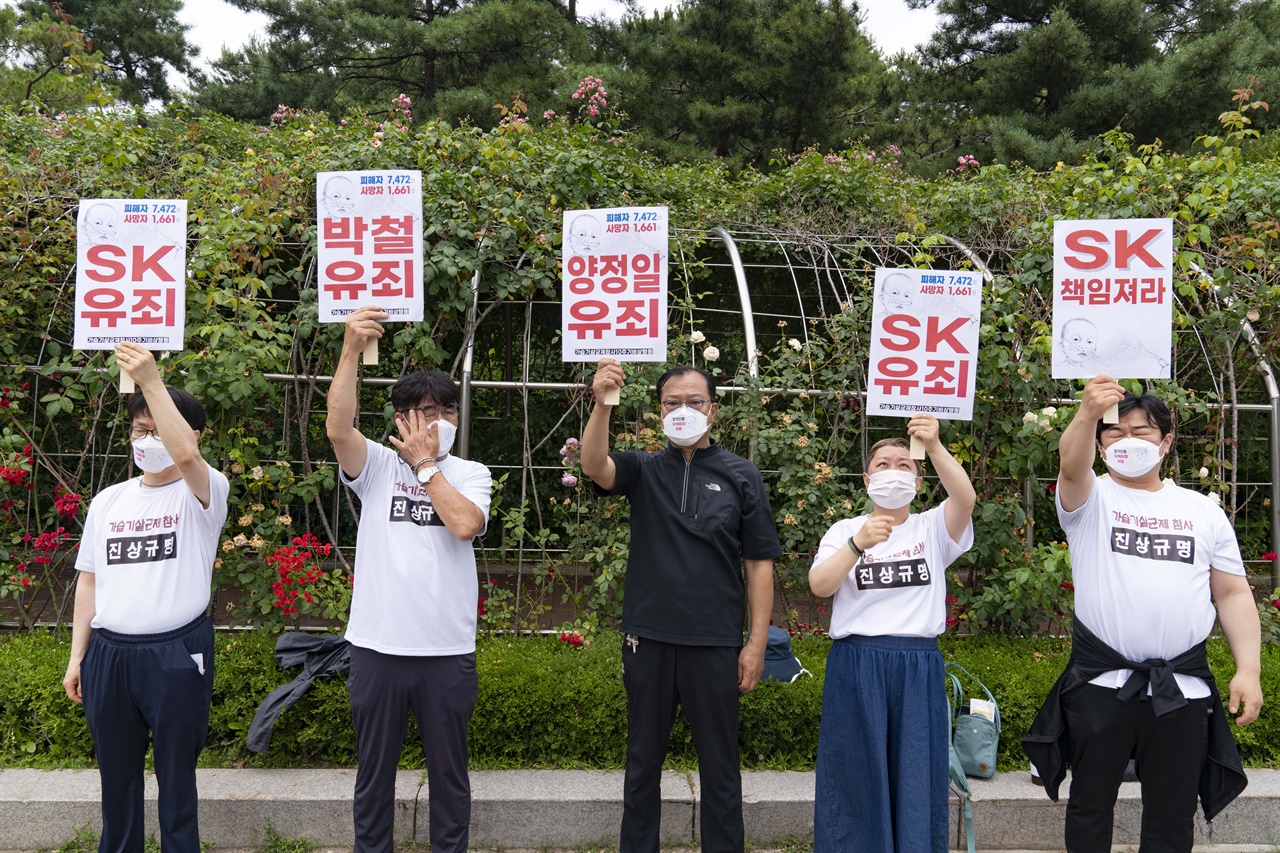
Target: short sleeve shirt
1140,562
416,589
899,587
151,551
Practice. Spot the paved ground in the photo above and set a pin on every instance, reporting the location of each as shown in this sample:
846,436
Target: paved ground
546,810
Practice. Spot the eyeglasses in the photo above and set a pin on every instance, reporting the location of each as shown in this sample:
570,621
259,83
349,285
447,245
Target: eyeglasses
672,405
433,412
138,432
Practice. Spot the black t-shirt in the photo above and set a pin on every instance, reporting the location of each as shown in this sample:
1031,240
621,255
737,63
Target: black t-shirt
692,524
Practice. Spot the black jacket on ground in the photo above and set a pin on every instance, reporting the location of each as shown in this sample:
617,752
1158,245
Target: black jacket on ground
320,655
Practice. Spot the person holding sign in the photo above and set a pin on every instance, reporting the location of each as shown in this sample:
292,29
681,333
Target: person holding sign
1150,560
414,607
882,746
698,512
141,645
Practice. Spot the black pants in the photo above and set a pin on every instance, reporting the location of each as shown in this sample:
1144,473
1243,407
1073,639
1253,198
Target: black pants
1169,752
141,688
441,691
704,679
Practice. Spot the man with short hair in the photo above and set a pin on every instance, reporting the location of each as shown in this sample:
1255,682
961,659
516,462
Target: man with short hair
698,513
1150,561
141,644
414,606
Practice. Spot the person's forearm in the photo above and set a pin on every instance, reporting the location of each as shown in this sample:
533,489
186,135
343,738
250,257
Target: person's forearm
1076,448
176,434
462,517
1238,615
953,477
826,577
343,394
595,441
760,599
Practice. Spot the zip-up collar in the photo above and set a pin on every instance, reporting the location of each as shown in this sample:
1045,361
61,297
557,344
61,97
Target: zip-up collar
671,449
688,463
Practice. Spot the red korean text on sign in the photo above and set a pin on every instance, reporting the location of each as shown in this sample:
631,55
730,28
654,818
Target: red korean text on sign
120,271
350,279
1113,291
946,366
103,306
608,277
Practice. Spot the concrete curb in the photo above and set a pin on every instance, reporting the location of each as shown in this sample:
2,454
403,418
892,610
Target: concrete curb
532,809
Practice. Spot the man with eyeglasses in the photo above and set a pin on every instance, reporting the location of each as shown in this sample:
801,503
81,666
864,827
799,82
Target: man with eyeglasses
413,610
1155,565
698,513
141,643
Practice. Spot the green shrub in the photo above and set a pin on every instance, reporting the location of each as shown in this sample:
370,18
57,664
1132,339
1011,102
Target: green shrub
542,703
39,725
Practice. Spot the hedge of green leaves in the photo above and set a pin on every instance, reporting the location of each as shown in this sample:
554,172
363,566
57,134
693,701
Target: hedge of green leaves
492,205
542,704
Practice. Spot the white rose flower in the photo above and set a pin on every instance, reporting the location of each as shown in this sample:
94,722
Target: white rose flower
257,473
1029,418
697,337
795,344
1216,498
1048,411
711,353
1204,473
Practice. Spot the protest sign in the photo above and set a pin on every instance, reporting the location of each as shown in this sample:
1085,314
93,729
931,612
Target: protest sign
131,281
1112,299
614,271
369,237
924,344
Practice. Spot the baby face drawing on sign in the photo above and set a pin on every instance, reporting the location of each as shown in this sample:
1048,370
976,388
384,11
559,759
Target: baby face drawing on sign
897,294
1078,342
339,197
584,234
102,225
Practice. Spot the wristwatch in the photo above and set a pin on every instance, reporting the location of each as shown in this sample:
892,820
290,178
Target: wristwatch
425,474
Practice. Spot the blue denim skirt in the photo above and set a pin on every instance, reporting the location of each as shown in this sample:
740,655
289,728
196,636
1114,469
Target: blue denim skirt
882,748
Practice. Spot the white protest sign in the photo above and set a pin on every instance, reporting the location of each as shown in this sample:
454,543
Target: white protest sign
131,280
369,238
614,271
924,344
1112,298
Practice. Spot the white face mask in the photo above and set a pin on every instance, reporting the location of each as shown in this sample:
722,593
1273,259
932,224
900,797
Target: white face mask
685,426
445,431
149,455
891,489
1132,457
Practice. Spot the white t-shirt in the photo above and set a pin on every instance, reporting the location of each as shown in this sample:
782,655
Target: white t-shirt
1140,562
900,587
151,551
416,588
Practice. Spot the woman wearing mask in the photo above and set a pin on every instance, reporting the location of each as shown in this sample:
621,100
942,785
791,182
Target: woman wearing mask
882,747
